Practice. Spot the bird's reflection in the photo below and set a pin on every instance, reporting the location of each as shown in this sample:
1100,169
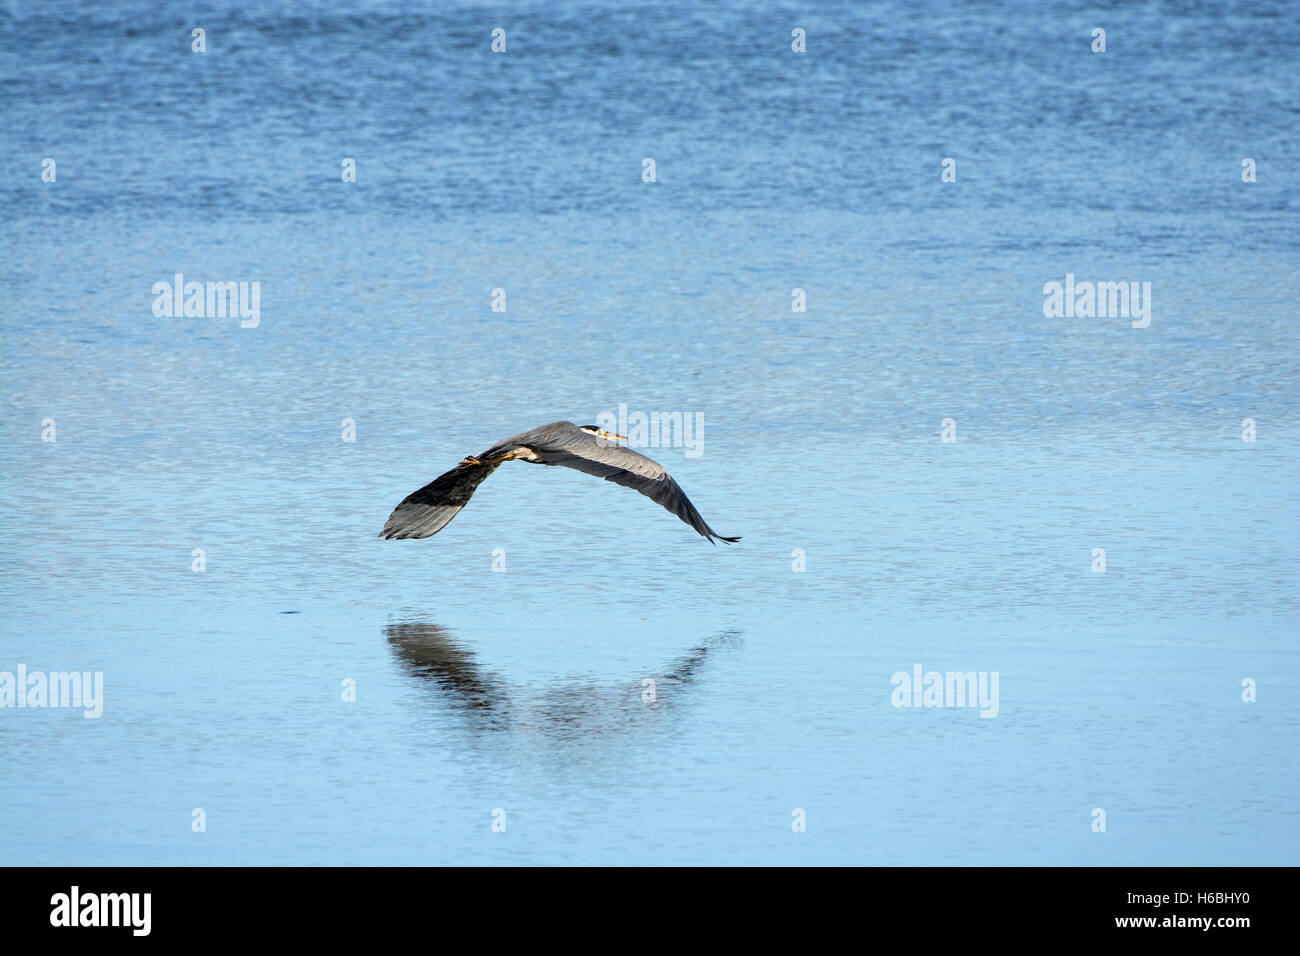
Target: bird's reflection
568,709
428,652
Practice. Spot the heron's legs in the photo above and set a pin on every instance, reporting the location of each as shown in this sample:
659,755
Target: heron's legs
513,454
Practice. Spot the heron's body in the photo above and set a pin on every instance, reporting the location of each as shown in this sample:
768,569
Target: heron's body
588,449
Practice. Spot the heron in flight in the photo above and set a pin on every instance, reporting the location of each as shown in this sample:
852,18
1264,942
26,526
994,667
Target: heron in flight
587,448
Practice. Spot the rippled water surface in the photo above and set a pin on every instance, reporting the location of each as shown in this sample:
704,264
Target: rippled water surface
522,690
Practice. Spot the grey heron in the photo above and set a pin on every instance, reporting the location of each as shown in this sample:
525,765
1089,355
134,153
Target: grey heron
588,449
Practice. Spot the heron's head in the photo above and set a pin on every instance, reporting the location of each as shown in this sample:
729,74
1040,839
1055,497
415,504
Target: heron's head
600,433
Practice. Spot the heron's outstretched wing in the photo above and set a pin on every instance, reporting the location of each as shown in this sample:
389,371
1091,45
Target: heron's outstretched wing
427,511
563,443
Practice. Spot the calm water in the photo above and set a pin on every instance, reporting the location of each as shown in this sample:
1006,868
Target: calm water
521,690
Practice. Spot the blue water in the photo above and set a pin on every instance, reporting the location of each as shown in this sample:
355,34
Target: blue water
520,690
